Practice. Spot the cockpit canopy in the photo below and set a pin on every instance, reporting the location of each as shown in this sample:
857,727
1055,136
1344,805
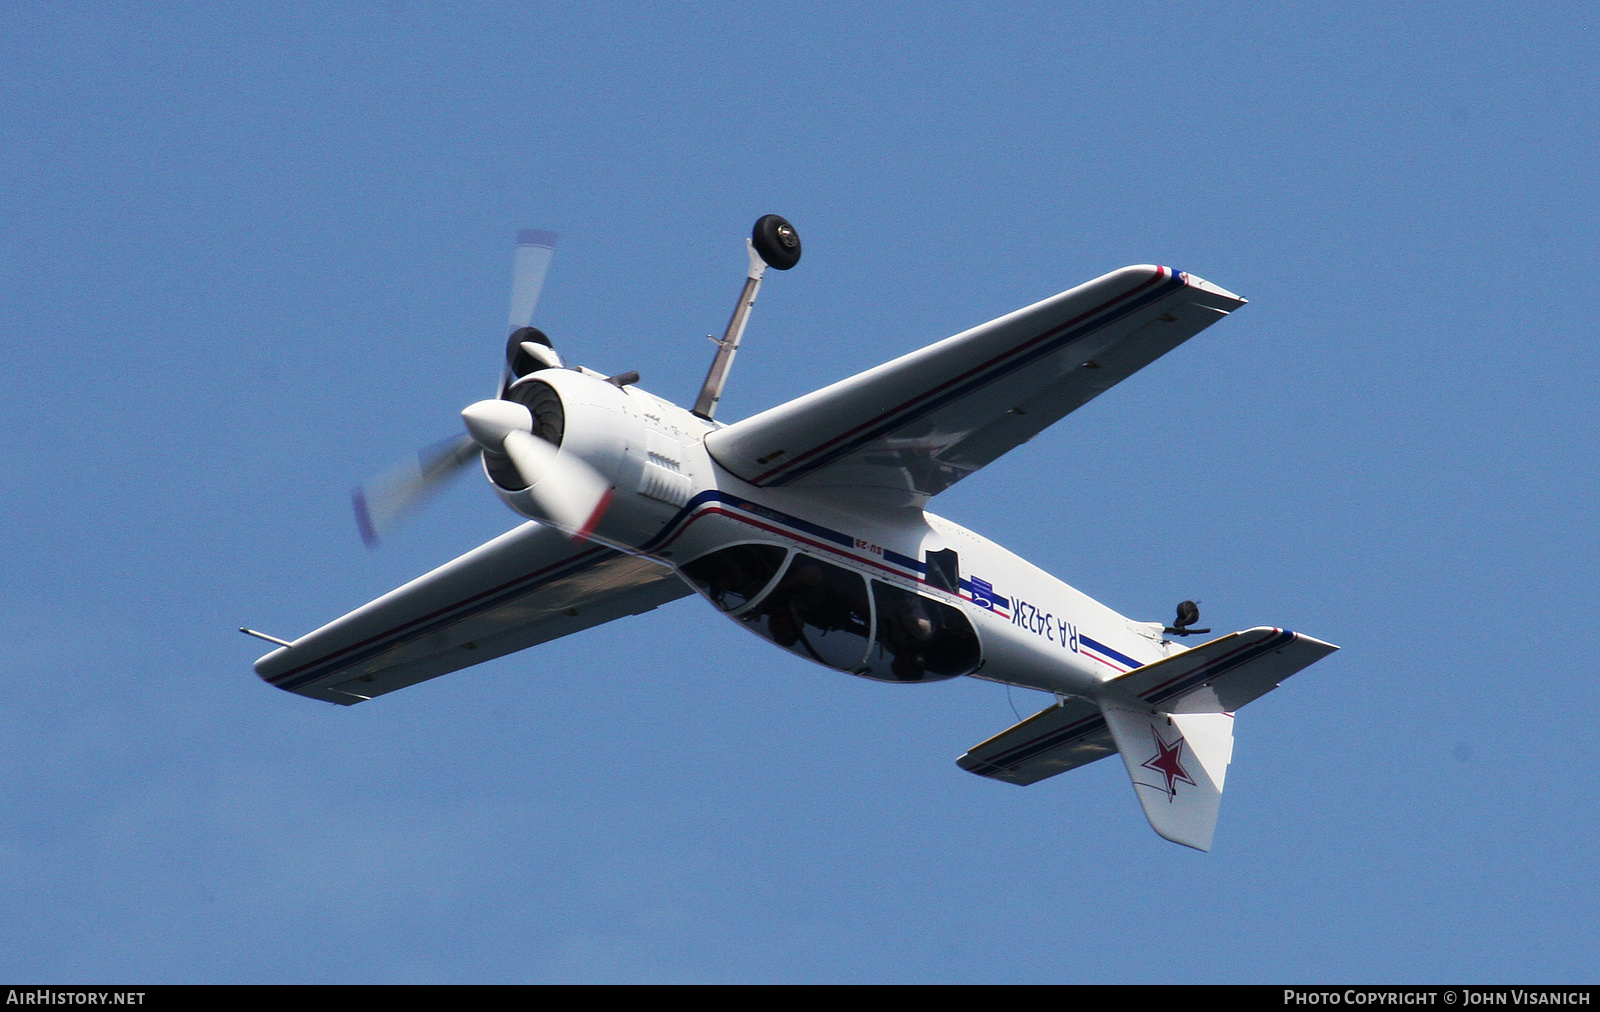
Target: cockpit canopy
829,614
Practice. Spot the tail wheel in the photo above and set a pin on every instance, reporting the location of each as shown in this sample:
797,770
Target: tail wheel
776,241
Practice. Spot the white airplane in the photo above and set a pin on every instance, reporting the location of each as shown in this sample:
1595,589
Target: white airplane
807,525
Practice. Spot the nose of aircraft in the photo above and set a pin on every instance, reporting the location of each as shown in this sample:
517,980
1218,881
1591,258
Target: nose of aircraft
490,422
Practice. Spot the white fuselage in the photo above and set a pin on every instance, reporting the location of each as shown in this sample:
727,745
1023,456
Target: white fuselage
675,504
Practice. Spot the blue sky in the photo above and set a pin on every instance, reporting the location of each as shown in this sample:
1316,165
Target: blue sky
249,257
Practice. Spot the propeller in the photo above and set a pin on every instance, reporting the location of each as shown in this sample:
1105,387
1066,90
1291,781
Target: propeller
528,348
535,249
385,500
382,502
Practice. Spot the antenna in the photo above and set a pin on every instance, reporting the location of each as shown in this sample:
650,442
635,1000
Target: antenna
264,636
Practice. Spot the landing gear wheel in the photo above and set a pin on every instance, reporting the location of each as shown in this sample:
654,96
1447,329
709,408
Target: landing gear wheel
777,242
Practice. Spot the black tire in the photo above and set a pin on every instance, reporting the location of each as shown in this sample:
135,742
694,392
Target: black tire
777,242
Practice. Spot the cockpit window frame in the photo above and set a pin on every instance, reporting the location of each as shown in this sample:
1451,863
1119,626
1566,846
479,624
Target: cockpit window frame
917,592
762,621
871,664
758,596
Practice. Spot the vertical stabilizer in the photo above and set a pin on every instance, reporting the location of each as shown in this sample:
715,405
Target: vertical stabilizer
1177,762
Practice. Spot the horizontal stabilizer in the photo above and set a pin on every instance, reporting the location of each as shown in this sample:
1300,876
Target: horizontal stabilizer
1177,763
1224,674
1063,737
1172,722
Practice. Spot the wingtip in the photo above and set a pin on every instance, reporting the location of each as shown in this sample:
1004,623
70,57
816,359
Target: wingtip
537,237
1206,286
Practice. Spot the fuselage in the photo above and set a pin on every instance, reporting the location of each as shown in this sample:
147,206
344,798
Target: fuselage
891,594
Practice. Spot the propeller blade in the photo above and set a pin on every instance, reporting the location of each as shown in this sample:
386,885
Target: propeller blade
535,248
385,500
570,493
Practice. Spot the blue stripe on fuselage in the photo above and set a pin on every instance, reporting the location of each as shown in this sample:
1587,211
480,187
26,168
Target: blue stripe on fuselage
1121,658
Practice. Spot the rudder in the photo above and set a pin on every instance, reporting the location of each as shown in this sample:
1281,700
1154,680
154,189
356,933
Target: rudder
1177,762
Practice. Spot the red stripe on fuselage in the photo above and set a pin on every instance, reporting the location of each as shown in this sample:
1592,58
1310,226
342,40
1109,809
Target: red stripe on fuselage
594,518
721,511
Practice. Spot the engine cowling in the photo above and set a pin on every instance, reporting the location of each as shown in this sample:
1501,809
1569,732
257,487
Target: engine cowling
620,433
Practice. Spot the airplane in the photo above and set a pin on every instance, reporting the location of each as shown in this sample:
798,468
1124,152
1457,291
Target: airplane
807,525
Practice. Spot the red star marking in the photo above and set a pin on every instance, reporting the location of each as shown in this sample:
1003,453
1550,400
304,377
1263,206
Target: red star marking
1166,761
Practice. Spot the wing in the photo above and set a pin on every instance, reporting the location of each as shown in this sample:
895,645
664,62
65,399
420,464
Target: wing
523,588
910,428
